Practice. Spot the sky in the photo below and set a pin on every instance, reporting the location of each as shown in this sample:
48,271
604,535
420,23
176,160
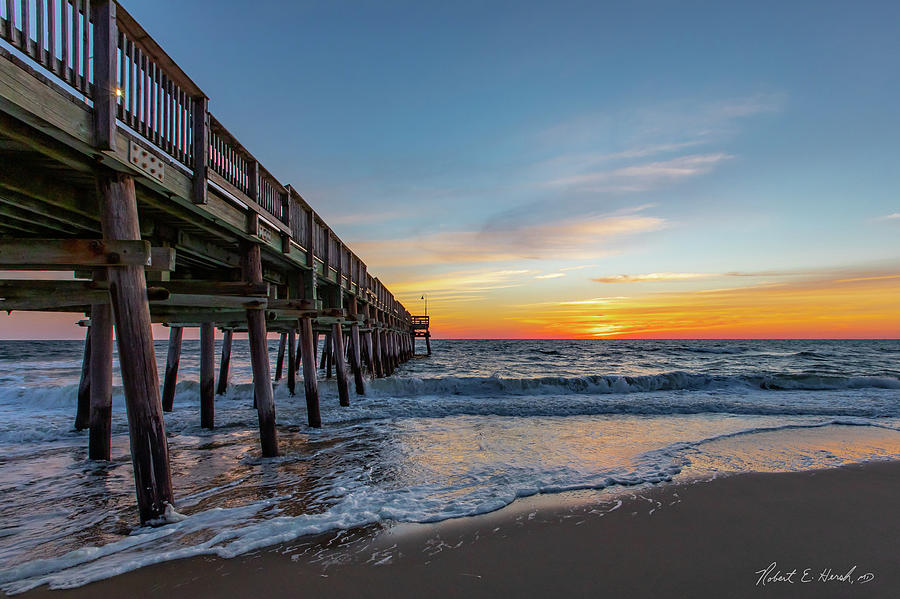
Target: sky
569,169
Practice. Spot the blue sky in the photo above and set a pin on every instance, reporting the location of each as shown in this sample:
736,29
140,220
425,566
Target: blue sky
472,138
499,155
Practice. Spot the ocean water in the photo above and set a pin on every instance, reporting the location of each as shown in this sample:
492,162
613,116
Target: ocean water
463,432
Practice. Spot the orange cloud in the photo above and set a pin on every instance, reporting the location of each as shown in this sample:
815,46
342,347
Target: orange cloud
567,239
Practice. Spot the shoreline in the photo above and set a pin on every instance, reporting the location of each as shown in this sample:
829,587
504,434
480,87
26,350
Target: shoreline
690,538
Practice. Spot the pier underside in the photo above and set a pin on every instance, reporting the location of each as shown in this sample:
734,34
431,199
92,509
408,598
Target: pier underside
119,179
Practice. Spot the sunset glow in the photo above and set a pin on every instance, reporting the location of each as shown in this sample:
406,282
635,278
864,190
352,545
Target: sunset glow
591,184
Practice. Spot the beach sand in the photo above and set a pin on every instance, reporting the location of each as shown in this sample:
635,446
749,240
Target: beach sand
688,539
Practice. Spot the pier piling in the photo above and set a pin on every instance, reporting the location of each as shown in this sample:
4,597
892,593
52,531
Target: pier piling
259,358
292,361
355,364
128,296
207,375
173,357
279,361
310,382
142,183
340,369
101,382
225,362
83,411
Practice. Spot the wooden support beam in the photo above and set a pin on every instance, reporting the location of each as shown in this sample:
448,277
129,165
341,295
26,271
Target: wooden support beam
298,359
325,348
64,296
172,360
225,362
279,362
259,359
355,364
329,354
310,383
162,259
388,352
315,347
378,356
339,366
128,294
101,382
292,361
68,254
226,288
83,413
212,301
207,375
369,352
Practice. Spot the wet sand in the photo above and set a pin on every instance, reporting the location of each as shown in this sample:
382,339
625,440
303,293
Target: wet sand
691,539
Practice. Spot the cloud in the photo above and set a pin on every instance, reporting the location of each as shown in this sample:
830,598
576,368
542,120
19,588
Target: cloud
461,283
894,216
579,267
569,238
657,276
552,275
687,276
684,121
643,177
872,278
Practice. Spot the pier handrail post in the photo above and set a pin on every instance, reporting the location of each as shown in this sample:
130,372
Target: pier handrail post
310,290
200,140
259,358
103,14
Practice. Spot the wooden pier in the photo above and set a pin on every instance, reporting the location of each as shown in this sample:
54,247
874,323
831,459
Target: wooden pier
113,167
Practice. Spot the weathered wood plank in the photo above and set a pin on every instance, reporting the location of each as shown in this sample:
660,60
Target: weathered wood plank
212,301
67,254
228,288
162,259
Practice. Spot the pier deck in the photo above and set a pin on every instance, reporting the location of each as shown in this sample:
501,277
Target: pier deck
113,167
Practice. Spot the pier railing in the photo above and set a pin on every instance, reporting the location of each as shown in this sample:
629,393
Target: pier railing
146,95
